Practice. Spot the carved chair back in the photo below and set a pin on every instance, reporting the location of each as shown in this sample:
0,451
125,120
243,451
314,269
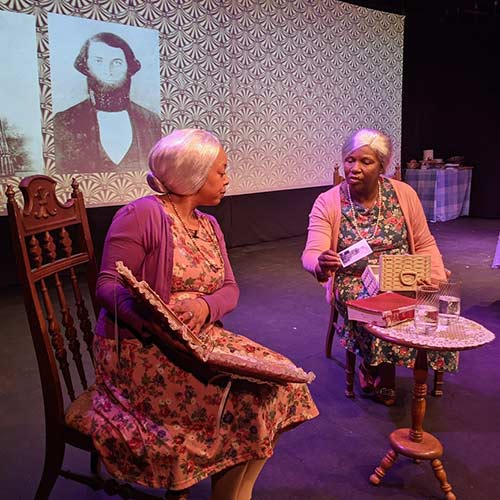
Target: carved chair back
53,246
52,242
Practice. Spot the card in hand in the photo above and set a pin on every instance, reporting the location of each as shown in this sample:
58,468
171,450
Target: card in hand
355,252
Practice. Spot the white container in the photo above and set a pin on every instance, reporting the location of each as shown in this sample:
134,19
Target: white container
428,154
426,310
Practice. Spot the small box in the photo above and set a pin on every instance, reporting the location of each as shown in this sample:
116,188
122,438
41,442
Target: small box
370,278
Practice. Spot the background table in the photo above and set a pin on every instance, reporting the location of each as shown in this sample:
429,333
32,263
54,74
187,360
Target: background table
444,192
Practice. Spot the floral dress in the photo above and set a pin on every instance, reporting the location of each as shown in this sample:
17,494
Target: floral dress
158,425
389,236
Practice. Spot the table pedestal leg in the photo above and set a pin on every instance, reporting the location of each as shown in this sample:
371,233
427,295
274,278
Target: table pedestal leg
414,442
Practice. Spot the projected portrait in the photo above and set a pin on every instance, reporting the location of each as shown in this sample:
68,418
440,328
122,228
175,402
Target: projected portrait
20,118
108,130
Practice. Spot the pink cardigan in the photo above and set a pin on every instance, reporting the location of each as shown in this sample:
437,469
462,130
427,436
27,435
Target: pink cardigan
324,225
140,236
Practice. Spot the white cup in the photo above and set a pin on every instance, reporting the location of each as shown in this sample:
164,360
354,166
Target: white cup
449,302
426,309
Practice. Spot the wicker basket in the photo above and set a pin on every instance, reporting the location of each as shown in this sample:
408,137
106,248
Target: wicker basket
401,273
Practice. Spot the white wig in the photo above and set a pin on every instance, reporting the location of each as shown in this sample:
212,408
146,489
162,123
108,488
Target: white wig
179,163
378,141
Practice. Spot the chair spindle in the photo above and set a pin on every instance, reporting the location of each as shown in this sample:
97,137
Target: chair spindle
83,315
70,331
57,339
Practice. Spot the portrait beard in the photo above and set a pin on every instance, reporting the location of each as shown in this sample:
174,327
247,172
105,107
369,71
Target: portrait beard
109,97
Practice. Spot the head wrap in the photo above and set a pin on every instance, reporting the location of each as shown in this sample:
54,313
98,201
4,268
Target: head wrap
378,141
180,162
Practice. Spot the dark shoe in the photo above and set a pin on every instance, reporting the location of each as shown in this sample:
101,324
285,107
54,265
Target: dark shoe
385,396
177,494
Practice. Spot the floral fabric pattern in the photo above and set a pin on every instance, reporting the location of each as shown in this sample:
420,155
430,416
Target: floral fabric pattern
158,425
389,236
196,259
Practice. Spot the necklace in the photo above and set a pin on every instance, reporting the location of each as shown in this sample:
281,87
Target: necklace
214,267
378,203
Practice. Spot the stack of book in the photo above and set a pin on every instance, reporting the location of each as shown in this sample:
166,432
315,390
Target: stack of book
385,309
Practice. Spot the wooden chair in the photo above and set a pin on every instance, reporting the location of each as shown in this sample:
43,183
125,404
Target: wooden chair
52,243
350,357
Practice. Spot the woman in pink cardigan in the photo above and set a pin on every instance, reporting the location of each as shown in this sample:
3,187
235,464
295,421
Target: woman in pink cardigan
389,215
156,423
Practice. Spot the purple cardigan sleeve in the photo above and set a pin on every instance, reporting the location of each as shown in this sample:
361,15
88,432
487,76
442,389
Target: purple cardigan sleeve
225,298
123,242
130,238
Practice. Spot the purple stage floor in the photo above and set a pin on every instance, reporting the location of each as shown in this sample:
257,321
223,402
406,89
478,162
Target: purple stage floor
332,456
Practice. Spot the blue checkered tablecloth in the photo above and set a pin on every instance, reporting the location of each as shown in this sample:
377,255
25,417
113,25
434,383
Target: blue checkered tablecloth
444,193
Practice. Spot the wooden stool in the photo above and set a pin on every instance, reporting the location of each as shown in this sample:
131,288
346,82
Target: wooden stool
414,442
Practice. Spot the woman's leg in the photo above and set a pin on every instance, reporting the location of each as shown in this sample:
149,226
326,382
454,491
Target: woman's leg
386,383
367,375
251,474
226,484
386,375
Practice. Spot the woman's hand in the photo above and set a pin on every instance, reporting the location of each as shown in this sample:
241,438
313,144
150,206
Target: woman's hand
193,312
328,263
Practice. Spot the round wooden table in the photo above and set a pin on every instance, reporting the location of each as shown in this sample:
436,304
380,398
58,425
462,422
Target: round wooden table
414,442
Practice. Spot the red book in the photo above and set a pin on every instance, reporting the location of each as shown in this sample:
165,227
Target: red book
385,309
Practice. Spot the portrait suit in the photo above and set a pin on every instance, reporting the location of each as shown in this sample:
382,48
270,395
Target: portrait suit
78,147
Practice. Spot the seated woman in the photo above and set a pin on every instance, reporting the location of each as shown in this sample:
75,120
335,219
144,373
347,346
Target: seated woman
157,423
389,215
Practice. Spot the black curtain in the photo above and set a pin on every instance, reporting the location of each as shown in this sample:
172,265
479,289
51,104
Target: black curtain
451,99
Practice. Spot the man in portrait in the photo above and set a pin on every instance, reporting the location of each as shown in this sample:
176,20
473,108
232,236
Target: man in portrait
107,131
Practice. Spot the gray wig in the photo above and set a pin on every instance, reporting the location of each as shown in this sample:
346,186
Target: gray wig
378,141
179,163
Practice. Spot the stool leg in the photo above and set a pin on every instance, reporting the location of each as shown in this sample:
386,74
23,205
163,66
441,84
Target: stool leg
330,333
440,474
437,389
329,341
386,463
350,367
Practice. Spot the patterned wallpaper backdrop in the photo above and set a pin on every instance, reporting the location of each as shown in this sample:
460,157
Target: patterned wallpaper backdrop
281,82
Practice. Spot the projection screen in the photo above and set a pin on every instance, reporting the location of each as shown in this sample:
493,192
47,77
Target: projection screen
281,83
